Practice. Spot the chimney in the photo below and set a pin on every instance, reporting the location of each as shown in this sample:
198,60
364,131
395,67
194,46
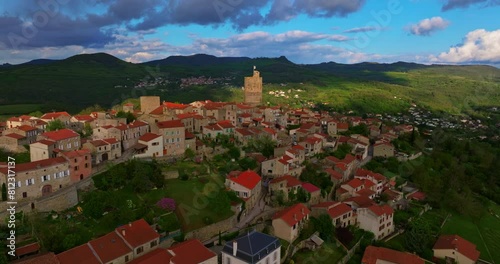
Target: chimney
295,217
235,247
302,210
123,232
130,224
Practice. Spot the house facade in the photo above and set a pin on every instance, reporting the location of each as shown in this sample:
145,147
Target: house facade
288,223
376,219
38,178
247,185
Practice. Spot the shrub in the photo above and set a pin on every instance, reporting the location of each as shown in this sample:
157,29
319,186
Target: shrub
166,204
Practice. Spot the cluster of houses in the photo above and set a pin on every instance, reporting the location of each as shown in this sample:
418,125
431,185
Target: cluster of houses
63,157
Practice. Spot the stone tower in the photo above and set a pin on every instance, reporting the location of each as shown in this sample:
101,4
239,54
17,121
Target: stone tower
253,88
149,103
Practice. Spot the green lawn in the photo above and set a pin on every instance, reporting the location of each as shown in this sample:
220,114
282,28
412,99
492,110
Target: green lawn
485,234
19,109
328,253
191,197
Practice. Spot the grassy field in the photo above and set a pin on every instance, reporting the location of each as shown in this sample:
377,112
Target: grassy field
18,109
328,253
191,197
485,233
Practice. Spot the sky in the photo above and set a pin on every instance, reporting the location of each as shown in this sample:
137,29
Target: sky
305,31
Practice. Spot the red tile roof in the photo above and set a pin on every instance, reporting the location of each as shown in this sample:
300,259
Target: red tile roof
248,179
14,135
170,124
326,204
190,252
30,248
47,258
60,134
293,214
157,256
355,183
459,244
46,142
361,201
26,128
339,210
84,118
334,174
417,196
189,135
310,187
342,126
20,118
373,254
148,137
348,159
175,105
381,209
137,233
244,131
109,247
158,110
365,192
333,159
291,181
78,255
21,167
76,153
110,140
54,115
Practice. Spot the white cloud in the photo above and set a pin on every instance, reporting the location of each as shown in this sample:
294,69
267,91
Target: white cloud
428,26
478,46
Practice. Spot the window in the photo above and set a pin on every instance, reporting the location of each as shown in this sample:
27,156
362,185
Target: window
153,243
86,165
139,250
18,184
86,157
76,168
69,145
30,181
25,194
45,178
228,260
126,258
75,160
66,173
155,144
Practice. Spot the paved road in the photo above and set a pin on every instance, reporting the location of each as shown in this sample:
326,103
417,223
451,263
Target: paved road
256,210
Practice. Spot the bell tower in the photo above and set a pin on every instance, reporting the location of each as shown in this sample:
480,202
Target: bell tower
253,88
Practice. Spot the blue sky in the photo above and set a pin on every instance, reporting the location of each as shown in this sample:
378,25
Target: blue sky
305,31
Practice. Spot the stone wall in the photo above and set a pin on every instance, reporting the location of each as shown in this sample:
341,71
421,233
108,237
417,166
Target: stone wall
58,201
212,230
174,174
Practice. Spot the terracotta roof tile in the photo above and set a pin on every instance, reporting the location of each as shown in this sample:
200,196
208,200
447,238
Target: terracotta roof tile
373,254
248,179
339,210
459,244
170,124
137,233
310,187
78,255
148,137
60,134
293,214
191,251
46,258
109,247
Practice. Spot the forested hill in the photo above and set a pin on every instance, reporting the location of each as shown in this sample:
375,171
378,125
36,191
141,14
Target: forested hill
88,79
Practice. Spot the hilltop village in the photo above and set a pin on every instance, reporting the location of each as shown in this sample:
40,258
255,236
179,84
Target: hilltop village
215,182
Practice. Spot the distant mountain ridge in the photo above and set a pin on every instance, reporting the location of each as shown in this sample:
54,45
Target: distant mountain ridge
86,79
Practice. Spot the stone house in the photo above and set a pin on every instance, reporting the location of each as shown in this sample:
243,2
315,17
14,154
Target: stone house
103,149
38,178
376,219
342,215
149,145
455,248
288,223
174,137
247,185
383,149
80,163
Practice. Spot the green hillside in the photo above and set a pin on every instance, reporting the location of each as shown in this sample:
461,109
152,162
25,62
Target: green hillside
85,80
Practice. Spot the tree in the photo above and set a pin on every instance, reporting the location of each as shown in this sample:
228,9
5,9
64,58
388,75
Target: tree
97,202
127,115
54,125
90,109
189,154
419,236
87,130
303,196
264,145
220,203
248,163
234,152
323,224
36,114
